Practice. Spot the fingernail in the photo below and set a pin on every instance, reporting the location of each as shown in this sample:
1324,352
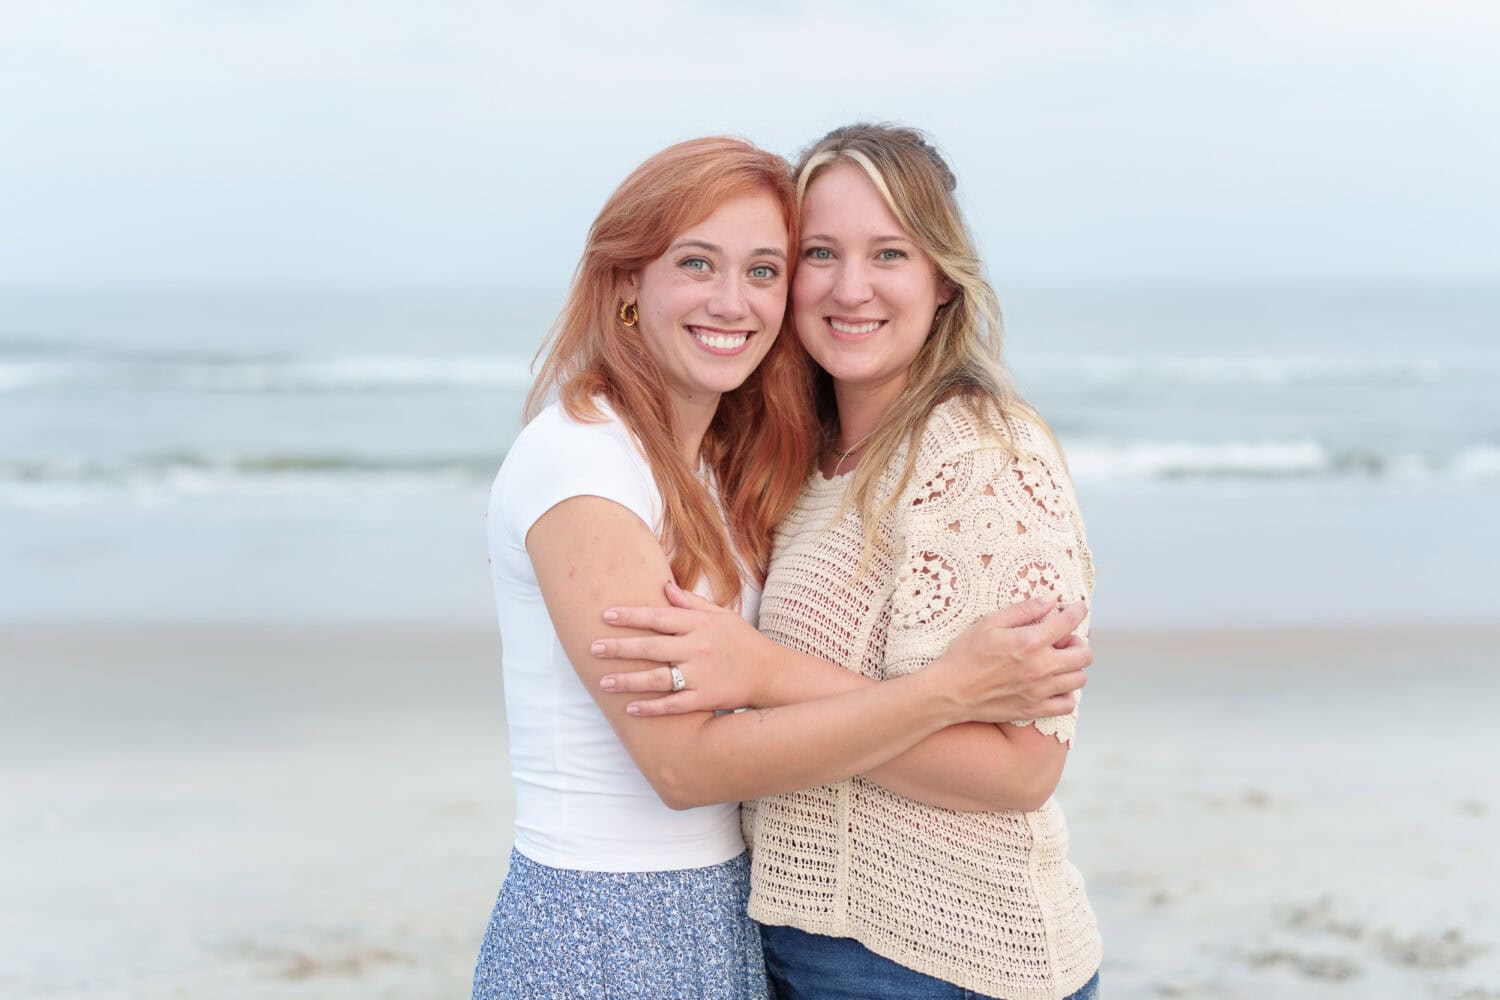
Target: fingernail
611,616
632,710
598,647
608,683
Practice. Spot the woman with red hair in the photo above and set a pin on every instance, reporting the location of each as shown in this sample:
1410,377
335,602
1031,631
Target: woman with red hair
683,430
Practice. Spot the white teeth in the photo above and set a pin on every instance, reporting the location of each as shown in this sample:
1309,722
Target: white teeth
842,327
721,341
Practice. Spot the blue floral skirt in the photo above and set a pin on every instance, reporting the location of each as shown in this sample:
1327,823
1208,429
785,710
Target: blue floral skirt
683,934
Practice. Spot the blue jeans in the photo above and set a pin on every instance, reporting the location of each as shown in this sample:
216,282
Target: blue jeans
805,966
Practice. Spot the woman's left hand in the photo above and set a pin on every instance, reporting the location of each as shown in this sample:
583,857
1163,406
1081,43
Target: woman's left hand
721,657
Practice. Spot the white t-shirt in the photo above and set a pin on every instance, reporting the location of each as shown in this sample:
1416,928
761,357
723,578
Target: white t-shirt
580,801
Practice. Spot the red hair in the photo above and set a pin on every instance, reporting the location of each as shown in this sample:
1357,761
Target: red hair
761,441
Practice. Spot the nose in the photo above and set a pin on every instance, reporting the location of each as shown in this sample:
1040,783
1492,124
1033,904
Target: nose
851,285
728,299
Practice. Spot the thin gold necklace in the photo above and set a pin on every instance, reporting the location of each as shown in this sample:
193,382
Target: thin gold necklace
844,455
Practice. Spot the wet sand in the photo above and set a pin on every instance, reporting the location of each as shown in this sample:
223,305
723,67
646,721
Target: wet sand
232,812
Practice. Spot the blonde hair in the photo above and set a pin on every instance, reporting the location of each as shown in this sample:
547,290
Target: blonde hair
758,443
961,355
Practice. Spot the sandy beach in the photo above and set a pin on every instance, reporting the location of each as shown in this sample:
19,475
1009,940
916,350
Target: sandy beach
234,813
277,281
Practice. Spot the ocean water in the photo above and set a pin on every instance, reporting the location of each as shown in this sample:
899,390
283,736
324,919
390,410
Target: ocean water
274,455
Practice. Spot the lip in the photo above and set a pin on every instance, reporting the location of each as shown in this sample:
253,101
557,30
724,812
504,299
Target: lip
726,348
857,328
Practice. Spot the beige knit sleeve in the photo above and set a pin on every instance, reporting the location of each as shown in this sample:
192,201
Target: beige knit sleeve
985,529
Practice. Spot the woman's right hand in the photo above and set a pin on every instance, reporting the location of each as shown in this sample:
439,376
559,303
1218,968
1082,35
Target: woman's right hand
1019,663
723,660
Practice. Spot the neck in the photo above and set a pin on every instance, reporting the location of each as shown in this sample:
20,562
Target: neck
691,416
861,409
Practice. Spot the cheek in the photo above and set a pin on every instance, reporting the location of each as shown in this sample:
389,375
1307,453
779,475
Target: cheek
668,295
770,306
922,293
809,288
766,345
804,331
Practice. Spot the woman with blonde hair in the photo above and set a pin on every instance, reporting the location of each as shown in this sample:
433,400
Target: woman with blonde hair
679,438
938,496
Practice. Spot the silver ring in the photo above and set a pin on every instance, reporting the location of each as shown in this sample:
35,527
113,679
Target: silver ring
678,681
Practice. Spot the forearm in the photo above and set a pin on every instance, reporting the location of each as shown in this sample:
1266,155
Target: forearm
767,751
793,677
971,767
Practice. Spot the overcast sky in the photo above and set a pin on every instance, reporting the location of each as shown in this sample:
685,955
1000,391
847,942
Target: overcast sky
472,141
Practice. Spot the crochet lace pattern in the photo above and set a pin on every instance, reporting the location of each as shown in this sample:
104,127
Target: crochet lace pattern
987,901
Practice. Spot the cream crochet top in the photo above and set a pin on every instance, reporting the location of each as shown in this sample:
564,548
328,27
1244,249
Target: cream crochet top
987,901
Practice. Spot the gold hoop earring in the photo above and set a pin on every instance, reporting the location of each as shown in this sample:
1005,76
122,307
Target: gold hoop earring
629,314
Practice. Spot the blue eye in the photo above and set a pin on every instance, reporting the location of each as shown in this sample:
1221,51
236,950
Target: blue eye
818,253
695,264
763,272
889,255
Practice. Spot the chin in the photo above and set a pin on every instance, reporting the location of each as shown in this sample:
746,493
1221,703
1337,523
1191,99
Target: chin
728,383
848,373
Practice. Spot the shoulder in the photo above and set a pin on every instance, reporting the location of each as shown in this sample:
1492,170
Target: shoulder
555,428
558,456
952,428
967,449
958,427
557,439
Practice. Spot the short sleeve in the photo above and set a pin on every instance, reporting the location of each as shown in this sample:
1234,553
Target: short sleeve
556,458
985,529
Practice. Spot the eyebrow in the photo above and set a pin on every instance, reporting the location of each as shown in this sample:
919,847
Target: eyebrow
715,248
826,238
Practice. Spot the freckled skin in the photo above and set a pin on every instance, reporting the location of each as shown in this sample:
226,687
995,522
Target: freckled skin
717,279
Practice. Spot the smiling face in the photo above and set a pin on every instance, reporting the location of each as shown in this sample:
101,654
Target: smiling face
865,294
711,306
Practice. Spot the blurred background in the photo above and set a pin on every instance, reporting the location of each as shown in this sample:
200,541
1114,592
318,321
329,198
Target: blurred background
272,275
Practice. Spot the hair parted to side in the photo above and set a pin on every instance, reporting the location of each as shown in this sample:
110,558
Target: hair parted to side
758,445
961,356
